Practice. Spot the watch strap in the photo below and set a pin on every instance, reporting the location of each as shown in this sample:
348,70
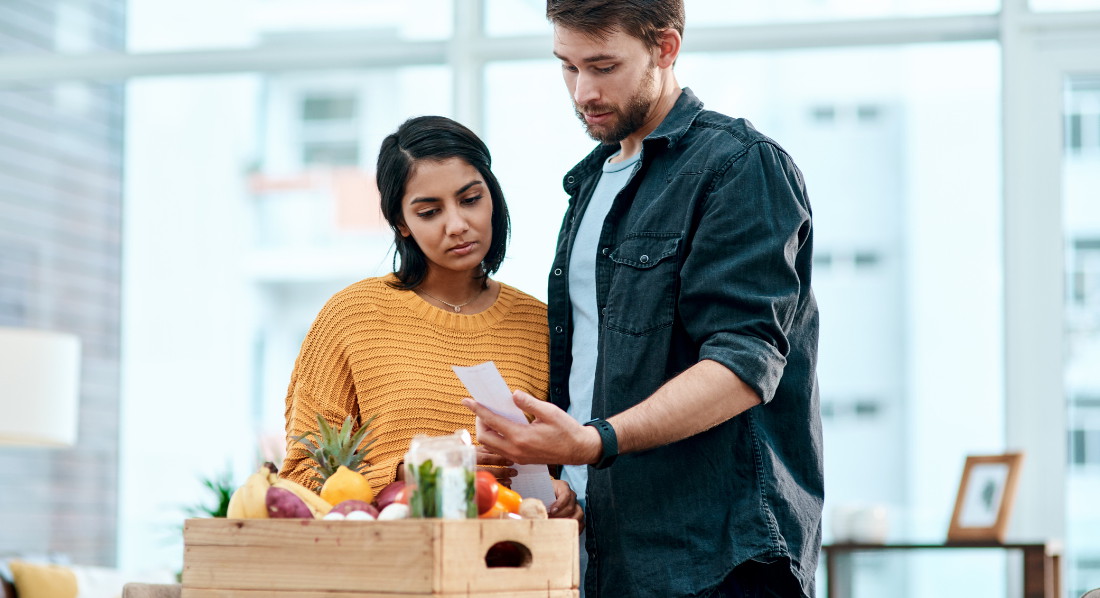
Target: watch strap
608,439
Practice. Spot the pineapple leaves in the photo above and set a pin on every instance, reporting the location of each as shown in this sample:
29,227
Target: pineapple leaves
331,447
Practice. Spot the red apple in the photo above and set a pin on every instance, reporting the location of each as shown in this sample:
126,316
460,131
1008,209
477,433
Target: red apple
389,494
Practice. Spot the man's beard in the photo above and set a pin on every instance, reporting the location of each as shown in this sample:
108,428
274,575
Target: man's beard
626,120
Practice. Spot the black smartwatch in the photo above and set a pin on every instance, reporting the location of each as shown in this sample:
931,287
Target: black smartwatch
609,441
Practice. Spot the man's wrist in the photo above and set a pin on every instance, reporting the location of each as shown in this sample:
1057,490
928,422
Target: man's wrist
592,446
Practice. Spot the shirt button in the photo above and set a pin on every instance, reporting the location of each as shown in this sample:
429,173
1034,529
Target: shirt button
644,259
557,271
558,329
569,179
605,251
604,311
557,390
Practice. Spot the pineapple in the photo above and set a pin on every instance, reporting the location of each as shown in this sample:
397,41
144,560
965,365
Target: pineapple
337,450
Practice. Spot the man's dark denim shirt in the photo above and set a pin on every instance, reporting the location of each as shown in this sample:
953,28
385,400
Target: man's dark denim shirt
705,254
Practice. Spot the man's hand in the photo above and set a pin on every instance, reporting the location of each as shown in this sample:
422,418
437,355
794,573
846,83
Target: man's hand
565,504
553,436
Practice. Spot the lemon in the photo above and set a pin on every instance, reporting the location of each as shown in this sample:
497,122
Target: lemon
346,484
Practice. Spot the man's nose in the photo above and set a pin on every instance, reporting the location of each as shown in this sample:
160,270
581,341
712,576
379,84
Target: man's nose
586,91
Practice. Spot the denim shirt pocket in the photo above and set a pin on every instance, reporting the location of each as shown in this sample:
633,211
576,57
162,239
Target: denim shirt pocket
643,283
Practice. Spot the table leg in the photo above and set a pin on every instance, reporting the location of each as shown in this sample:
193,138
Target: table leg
838,569
1042,575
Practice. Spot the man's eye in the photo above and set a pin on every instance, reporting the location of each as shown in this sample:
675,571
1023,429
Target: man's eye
606,70
570,68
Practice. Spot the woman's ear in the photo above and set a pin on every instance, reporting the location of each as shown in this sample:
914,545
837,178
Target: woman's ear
403,230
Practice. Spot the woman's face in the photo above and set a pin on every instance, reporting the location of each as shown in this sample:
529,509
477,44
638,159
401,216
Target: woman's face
448,212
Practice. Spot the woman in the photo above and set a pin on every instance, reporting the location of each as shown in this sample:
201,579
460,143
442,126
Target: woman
383,347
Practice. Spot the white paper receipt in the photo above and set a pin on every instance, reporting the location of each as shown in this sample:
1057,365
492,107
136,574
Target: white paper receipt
488,387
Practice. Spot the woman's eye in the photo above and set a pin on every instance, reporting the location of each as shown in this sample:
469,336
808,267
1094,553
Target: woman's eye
473,199
426,213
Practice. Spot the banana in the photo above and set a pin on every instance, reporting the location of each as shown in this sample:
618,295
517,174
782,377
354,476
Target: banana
317,505
250,500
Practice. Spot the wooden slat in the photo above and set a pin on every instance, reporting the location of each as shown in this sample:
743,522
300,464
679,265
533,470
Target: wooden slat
317,533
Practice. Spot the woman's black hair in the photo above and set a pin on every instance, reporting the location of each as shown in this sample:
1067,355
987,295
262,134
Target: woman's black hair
433,138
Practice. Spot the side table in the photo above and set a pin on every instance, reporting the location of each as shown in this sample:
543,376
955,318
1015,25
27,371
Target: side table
1041,570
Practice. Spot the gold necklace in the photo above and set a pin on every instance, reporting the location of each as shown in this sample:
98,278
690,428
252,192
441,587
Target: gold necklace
458,307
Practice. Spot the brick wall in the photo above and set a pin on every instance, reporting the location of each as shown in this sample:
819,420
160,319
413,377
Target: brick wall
60,232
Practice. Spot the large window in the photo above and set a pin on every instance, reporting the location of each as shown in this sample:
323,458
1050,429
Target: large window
245,211
251,129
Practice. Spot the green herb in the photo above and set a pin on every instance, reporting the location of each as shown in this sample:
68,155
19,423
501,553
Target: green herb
471,498
424,501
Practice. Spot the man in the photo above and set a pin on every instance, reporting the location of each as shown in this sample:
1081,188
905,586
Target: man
681,318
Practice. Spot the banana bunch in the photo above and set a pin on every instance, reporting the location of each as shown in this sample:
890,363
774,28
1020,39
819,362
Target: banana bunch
250,500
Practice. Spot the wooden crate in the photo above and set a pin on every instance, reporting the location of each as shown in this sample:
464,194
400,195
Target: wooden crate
299,558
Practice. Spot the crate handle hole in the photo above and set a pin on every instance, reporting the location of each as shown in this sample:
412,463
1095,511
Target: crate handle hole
508,554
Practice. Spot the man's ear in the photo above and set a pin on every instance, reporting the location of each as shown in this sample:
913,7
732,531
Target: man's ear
668,48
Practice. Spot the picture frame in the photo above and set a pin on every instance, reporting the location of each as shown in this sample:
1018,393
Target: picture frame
984,501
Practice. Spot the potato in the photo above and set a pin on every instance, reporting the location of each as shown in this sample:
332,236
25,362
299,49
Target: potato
395,510
284,504
350,505
532,508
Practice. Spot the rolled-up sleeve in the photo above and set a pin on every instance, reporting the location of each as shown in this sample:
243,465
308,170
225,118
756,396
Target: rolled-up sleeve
740,284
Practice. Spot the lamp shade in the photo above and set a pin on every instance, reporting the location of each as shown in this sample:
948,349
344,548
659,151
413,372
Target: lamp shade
39,381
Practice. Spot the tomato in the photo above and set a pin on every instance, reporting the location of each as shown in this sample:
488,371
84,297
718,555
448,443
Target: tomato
509,499
486,490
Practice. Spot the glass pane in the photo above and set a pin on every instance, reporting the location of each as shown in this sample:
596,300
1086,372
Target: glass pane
63,27
61,154
722,12
514,17
1059,5
530,172
908,252
1081,221
158,26
908,262
243,214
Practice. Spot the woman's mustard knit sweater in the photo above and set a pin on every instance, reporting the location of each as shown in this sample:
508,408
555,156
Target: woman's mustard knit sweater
379,351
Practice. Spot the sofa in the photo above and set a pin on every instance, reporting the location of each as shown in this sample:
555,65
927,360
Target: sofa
51,577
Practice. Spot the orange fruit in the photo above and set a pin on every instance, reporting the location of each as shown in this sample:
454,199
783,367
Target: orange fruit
509,499
497,511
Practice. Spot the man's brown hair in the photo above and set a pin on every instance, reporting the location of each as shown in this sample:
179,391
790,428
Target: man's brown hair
643,19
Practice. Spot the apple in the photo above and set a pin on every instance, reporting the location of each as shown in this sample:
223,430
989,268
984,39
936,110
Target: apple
389,494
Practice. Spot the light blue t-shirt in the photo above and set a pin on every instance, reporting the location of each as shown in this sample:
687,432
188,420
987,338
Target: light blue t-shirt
582,296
